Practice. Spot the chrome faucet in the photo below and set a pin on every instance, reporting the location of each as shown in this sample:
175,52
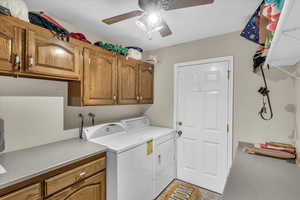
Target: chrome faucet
81,126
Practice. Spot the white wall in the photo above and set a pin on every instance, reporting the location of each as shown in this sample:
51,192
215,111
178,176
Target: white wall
247,124
35,87
32,121
297,85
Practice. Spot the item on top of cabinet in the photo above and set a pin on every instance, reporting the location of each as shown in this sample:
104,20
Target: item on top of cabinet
135,53
5,11
118,49
151,59
18,8
80,36
44,21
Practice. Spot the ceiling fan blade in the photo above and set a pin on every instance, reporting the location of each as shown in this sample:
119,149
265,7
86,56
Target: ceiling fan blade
165,31
177,4
123,17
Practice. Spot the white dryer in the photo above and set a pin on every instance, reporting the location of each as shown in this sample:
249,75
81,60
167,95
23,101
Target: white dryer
141,158
164,150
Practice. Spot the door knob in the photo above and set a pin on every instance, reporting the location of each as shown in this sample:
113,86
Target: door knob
179,133
180,123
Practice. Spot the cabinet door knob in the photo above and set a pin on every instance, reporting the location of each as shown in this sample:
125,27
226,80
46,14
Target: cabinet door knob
115,98
137,98
30,61
17,63
141,98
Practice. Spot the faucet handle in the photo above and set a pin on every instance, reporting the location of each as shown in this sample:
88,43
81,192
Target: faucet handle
92,115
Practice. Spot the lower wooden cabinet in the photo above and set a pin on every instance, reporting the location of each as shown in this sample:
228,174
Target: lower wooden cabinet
29,193
83,180
89,189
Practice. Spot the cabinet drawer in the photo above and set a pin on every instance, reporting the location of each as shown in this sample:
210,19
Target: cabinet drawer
92,188
29,193
68,178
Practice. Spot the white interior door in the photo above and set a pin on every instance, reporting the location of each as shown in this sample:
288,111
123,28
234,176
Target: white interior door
202,111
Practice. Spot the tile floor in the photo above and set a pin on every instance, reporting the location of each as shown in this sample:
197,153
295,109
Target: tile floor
206,194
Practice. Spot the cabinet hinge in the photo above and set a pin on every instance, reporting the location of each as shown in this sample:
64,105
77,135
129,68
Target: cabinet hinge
228,74
227,128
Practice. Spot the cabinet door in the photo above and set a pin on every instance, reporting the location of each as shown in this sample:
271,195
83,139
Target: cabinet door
146,83
29,193
10,47
100,78
128,81
49,56
92,188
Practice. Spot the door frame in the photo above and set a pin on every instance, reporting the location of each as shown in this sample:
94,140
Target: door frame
230,60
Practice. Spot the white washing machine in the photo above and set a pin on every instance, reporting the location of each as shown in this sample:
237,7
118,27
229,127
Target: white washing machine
141,158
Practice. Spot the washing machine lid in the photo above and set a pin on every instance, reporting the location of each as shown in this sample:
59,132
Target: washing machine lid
121,142
120,137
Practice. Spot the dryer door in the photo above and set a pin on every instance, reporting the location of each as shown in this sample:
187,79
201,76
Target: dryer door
165,163
135,174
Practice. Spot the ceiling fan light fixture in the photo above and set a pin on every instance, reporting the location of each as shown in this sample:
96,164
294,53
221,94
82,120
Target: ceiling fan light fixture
150,22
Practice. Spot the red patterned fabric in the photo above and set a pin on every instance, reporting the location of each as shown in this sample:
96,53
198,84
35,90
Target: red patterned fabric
79,36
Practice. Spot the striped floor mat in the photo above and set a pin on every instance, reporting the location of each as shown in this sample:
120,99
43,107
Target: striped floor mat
179,190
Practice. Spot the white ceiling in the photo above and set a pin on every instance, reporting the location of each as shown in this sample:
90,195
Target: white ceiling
187,24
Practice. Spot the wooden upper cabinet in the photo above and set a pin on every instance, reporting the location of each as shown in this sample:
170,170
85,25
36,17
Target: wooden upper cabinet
146,83
128,81
99,82
49,56
100,78
10,47
90,189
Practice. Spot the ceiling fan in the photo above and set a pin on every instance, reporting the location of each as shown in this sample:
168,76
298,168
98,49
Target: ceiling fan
151,19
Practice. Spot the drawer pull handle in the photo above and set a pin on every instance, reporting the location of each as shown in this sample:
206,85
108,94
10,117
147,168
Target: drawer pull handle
82,174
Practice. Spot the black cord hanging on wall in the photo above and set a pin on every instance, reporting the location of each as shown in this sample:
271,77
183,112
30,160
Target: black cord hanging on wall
264,91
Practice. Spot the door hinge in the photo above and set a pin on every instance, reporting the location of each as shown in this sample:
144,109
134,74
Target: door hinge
227,128
228,74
